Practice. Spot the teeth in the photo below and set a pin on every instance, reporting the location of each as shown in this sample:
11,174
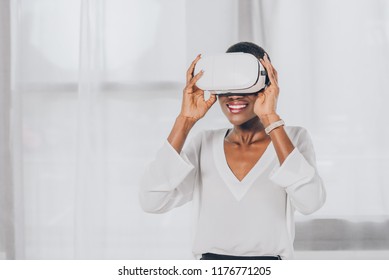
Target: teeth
237,106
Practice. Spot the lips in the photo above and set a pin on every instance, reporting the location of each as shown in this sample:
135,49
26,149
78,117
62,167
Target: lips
236,107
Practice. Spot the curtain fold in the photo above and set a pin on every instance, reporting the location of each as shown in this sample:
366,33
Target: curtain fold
16,131
90,193
7,242
258,20
251,22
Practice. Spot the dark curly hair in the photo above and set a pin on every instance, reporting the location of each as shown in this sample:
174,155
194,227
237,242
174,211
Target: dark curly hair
248,47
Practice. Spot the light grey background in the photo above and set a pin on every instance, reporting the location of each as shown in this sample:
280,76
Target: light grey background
96,86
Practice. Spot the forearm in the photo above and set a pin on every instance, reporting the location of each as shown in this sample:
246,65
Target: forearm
308,197
180,131
299,176
301,181
167,181
281,141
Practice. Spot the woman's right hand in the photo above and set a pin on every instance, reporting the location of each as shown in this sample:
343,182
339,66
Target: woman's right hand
194,106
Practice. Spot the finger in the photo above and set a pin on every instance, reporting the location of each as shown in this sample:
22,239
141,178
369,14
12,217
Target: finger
189,73
266,63
270,70
188,90
263,98
211,100
275,74
266,57
271,66
195,79
191,88
274,71
273,78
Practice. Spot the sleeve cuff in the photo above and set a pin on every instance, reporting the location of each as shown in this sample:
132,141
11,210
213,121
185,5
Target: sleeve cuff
168,170
295,170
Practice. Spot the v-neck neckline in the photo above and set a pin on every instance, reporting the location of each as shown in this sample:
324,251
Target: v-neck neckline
236,187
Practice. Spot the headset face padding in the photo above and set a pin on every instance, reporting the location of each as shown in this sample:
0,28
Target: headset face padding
239,73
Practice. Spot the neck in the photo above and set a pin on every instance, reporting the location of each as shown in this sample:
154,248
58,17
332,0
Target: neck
248,133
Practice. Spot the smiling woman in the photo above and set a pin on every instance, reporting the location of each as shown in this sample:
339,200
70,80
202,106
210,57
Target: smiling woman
89,93
246,181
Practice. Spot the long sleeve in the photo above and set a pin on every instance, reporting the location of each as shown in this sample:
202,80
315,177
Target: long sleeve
169,180
299,176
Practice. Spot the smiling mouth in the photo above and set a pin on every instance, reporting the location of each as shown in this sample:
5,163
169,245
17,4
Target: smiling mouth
236,108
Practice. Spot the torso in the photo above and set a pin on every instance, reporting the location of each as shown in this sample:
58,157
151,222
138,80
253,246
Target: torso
240,210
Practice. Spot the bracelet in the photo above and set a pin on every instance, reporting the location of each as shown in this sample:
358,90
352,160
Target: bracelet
274,125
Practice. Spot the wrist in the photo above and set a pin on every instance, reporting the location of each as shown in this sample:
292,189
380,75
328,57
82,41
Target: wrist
180,131
267,119
185,122
274,126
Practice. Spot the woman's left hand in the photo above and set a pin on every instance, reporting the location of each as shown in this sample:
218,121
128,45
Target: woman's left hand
266,103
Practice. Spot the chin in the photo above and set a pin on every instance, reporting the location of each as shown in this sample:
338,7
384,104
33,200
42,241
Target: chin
242,120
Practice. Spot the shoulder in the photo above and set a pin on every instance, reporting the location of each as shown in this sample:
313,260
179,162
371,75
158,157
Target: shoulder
206,137
209,134
214,133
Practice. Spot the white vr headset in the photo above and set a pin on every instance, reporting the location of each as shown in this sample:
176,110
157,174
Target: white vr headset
230,73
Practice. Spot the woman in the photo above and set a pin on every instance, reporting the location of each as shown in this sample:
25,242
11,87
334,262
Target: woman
246,181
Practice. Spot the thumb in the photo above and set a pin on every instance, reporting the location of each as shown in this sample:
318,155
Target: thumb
212,99
262,98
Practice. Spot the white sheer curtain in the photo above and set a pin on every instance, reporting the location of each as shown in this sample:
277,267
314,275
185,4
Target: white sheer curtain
6,205
333,63
96,86
334,59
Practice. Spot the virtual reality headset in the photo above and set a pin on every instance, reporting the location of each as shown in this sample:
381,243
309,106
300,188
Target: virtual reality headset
231,73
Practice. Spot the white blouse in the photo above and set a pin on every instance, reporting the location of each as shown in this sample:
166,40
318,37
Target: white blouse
252,217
